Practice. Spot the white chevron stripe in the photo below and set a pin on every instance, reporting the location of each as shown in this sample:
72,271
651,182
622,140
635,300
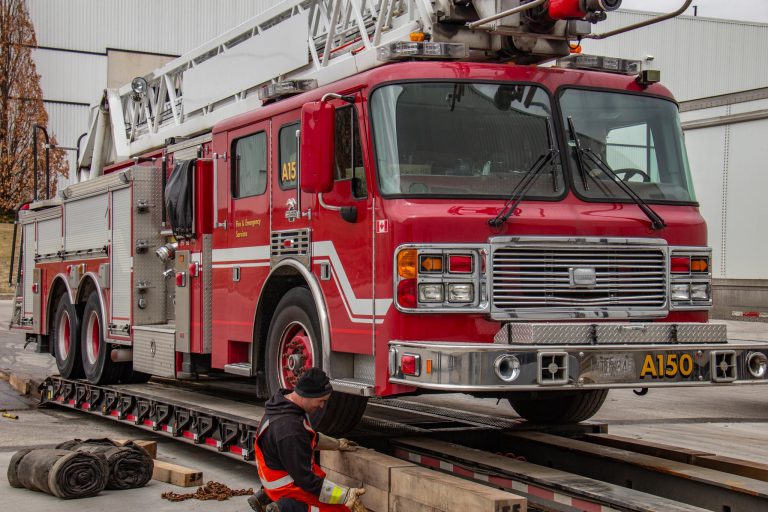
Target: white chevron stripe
359,307
356,307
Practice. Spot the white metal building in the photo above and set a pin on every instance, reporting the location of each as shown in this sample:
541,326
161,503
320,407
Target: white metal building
87,45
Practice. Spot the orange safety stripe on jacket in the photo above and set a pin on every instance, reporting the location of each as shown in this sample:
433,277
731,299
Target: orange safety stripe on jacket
278,483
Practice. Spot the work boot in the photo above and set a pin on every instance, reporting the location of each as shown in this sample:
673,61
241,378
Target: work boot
260,502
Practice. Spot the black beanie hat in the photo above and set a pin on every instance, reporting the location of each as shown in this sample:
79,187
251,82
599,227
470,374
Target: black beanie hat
313,383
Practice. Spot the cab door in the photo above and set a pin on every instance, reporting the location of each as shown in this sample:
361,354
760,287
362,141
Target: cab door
343,239
241,242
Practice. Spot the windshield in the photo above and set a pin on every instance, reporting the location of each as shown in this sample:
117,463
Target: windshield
639,137
462,139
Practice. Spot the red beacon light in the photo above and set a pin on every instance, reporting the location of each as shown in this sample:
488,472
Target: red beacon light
590,10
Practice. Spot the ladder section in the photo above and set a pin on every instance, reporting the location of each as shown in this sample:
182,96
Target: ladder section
324,40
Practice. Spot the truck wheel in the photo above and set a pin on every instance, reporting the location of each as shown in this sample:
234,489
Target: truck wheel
293,346
558,406
97,364
66,336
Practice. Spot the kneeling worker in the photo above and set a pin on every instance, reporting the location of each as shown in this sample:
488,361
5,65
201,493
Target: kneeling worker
285,444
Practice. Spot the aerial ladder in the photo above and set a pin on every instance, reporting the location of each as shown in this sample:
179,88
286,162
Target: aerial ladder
319,42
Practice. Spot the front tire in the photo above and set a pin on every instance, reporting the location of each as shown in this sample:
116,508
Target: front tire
66,336
97,363
293,346
552,407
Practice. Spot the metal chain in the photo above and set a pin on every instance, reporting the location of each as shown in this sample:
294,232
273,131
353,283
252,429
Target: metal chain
210,491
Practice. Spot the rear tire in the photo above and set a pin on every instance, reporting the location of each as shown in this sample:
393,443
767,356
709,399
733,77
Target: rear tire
65,336
558,406
293,346
95,351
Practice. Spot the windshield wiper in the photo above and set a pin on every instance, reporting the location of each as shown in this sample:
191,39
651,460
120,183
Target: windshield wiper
529,178
657,223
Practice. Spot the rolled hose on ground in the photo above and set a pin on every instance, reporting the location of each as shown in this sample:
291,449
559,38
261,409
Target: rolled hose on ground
62,473
130,466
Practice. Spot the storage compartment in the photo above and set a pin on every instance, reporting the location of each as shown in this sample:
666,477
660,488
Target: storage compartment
154,350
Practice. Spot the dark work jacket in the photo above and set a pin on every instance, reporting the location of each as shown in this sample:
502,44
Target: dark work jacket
287,445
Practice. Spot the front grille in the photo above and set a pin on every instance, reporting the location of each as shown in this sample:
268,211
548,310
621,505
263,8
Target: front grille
573,277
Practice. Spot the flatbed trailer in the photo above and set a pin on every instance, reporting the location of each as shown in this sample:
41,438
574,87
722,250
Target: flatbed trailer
559,468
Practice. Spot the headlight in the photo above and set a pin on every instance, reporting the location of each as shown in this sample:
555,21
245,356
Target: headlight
700,291
681,292
460,293
430,292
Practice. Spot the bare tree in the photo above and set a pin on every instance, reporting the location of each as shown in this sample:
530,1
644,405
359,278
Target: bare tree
21,107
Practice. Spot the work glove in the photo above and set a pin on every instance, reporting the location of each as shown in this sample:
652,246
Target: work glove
353,500
325,442
345,445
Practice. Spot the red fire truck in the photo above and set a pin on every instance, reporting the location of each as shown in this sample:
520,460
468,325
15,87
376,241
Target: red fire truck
399,194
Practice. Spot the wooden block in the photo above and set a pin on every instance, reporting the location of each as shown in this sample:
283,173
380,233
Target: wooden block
452,494
371,467
149,446
746,468
374,499
177,475
400,504
20,384
647,447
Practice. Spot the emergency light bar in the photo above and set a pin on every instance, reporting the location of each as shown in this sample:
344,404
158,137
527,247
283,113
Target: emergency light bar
600,63
285,88
422,50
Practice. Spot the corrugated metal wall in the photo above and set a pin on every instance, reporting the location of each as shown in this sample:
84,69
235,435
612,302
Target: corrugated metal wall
74,36
69,76
698,57
67,122
156,26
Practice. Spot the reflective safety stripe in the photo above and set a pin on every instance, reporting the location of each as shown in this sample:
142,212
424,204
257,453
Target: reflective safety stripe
276,484
263,426
335,496
314,509
332,493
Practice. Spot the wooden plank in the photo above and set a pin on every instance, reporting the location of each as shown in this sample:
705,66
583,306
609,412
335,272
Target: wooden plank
452,494
149,446
663,451
371,467
177,475
400,504
20,384
374,499
746,468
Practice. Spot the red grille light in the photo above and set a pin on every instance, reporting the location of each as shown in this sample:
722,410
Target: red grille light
460,264
681,265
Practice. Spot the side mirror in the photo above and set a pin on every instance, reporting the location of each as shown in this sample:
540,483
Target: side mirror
318,128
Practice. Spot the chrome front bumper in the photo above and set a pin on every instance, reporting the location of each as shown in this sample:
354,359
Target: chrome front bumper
664,355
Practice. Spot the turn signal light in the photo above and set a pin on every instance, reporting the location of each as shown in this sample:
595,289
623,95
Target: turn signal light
406,264
410,364
681,265
699,265
431,264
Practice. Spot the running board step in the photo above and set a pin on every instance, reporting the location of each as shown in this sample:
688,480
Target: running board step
242,369
352,387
